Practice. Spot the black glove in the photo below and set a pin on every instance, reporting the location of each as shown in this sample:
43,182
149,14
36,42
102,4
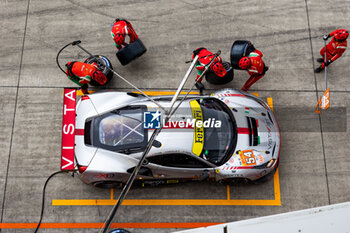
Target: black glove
328,62
325,37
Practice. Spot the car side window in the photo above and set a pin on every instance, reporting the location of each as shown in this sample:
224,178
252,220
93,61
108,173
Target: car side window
177,160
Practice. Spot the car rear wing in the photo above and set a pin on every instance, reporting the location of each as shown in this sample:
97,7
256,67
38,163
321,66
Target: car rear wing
68,130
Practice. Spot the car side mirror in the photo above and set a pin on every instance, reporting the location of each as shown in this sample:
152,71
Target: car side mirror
156,143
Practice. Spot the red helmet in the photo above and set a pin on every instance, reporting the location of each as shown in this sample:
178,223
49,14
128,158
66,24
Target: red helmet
99,77
244,63
341,34
119,38
218,69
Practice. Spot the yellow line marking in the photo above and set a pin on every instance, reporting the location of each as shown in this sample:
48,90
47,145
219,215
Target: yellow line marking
178,202
165,202
112,193
80,93
228,192
255,93
270,102
167,92
276,186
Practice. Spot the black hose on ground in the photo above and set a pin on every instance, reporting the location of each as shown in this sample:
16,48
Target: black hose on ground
43,198
71,43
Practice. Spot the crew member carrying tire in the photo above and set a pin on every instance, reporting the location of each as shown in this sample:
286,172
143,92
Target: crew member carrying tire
127,52
83,73
335,48
255,66
120,29
204,58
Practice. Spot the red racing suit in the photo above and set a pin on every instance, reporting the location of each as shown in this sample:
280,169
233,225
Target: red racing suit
121,29
82,73
256,70
205,57
335,49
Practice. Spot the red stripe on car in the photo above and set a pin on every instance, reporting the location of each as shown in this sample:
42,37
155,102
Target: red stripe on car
79,132
242,130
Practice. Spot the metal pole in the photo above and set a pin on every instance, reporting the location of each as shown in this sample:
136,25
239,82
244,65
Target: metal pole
183,82
144,94
132,177
203,73
129,183
77,43
325,59
81,47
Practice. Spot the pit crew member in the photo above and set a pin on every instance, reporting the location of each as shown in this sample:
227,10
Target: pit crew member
120,29
205,57
255,66
335,48
82,74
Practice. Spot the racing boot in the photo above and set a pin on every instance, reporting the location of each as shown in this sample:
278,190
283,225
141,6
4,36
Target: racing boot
84,89
320,60
200,87
318,69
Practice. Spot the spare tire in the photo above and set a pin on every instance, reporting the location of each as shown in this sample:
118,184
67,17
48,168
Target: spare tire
240,48
102,63
130,52
212,78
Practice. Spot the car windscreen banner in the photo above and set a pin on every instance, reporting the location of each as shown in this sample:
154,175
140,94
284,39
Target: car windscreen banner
68,129
198,137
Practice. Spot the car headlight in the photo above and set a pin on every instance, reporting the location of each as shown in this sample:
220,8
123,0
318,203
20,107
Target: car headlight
271,162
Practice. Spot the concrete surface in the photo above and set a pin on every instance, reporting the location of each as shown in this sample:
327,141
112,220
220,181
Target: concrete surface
331,218
314,166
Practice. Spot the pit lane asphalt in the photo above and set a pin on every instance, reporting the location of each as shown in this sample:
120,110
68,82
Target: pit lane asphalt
314,166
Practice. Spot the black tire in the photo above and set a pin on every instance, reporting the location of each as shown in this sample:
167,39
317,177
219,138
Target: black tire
212,78
239,49
265,178
107,184
268,176
103,63
130,52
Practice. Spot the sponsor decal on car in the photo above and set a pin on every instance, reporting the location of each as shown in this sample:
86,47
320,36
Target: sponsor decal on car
198,137
68,130
247,158
152,119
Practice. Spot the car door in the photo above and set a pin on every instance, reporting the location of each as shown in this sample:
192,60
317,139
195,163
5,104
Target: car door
179,165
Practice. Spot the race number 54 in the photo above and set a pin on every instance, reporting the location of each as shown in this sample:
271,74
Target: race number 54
247,158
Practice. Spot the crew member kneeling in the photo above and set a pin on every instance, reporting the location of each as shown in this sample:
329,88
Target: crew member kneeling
82,74
204,58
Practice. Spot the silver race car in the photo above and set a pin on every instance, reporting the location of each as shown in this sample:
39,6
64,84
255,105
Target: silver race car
227,136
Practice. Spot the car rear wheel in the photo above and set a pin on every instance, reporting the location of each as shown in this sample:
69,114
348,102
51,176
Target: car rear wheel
130,52
102,63
268,176
107,184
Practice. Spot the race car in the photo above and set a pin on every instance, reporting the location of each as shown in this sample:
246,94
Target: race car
226,136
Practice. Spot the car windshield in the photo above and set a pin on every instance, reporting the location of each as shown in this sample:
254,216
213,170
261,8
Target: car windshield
121,127
219,142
